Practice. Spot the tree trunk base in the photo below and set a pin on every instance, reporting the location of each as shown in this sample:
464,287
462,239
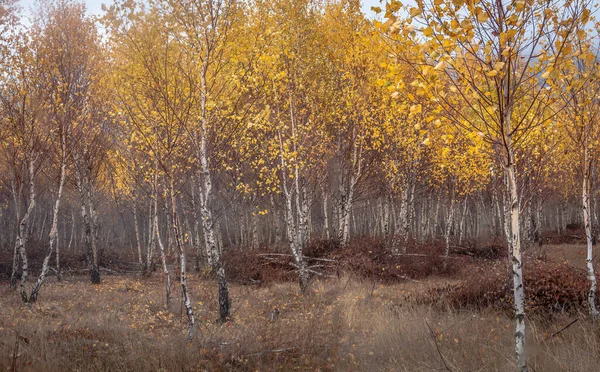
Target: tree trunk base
224,301
95,275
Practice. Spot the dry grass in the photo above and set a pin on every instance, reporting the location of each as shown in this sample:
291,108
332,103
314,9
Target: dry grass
572,254
343,325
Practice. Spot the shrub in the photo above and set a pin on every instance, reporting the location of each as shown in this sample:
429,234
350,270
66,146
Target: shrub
249,267
572,236
364,257
321,248
371,258
487,251
549,288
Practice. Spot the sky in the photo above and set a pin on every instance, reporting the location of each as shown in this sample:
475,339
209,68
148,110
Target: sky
95,6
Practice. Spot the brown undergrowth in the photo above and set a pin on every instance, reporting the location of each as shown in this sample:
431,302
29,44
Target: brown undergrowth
365,258
550,288
343,324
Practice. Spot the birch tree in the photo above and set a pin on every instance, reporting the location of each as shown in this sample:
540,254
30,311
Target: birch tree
22,108
352,111
157,102
80,97
297,133
491,54
214,36
577,86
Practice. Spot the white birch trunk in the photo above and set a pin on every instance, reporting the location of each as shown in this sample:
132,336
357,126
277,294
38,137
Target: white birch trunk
157,238
412,214
94,231
461,225
436,214
424,219
58,272
507,217
182,264
404,222
304,227
528,229
276,214
449,224
292,228
517,263
588,235
326,231
53,236
83,187
564,220
163,257
538,220
151,237
386,218
72,234
41,233
20,241
168,242
254,222
206,200
294,242
496,220
138,241
197,247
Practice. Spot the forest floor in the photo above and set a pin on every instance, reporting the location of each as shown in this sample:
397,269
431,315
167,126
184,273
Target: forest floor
343,324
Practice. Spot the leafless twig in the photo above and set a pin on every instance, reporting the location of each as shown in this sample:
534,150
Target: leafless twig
438,348
564,328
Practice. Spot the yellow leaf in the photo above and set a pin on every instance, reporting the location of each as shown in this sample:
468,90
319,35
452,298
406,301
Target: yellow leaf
415,109
585,16
519,5
546,74
415,12
481,15
440,66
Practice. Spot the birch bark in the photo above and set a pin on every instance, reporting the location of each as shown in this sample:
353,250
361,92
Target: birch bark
206,197
156,237
138,241
449,223
292,227
182,263
22,226
517,266
53,236
594,313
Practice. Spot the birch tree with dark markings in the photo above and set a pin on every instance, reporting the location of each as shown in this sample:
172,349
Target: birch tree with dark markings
577,85
492,54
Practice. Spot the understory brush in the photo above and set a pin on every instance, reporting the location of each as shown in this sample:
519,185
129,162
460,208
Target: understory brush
347,323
